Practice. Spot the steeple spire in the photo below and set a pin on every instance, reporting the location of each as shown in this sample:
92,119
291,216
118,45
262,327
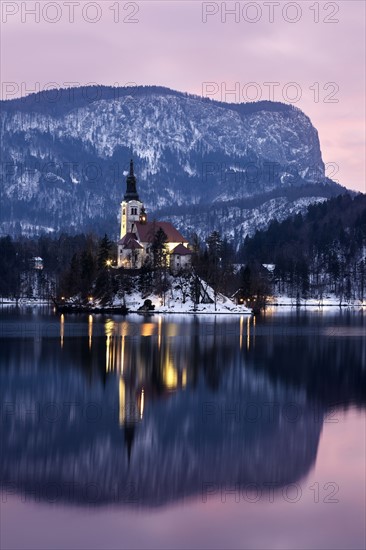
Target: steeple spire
131,192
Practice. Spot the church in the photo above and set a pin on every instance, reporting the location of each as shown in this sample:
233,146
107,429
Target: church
138,234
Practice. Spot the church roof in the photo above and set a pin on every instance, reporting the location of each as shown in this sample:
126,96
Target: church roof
129,241
131,191
147,231
181,250
133,245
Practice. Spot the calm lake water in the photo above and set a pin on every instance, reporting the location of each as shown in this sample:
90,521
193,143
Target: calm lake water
182,431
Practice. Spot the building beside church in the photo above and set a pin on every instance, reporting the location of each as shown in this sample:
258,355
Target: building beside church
137,233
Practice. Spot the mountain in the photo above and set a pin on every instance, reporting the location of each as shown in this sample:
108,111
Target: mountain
200,163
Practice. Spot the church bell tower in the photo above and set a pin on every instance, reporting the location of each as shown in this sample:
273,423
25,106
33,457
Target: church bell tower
131,206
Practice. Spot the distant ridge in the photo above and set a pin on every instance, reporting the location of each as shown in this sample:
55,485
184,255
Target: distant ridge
65,153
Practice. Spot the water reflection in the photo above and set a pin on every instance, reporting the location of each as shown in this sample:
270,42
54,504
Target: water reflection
148,411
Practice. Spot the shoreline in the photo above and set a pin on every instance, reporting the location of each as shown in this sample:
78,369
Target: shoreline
284,304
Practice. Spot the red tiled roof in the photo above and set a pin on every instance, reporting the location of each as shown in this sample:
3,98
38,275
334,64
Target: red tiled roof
133,245
129,241
126,238
181,250
147,231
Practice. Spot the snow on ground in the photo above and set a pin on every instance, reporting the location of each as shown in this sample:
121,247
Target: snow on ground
24,302
328,301
174,303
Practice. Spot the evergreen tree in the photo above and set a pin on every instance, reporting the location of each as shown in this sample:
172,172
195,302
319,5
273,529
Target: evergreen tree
87,273
214,250
103,289
145,280
159,249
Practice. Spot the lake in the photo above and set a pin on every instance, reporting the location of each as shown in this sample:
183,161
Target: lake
183,431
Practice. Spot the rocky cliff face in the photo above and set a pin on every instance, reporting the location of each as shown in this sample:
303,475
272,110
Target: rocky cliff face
65,156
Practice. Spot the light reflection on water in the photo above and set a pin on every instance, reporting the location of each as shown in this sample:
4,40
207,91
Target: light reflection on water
104,412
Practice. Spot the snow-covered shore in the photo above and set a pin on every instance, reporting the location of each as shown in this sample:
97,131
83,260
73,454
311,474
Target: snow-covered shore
175,304
282,301
24,302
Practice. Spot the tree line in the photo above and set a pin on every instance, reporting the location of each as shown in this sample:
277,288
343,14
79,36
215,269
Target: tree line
322,252
304,256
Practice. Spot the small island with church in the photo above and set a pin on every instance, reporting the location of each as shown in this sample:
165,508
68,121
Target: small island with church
152,268
139,236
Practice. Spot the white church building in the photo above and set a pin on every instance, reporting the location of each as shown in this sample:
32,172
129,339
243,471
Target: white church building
137,233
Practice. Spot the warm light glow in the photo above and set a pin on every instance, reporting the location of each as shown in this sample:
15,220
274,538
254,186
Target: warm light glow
160,320
107,354
109,263
171,329
248,333
109,328
122,401
62,297
170,375
142,403
123,354
62,329
184,378
90,298
90,330
147,329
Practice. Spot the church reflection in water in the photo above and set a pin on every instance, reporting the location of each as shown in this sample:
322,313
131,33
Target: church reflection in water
170,404
145,371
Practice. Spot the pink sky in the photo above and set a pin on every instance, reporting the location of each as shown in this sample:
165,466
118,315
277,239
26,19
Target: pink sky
170,45
192,524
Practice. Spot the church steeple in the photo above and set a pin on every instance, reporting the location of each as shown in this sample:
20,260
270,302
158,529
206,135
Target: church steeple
131,192
131,205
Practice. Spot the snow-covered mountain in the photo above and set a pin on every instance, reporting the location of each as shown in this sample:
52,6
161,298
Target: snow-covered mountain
65,154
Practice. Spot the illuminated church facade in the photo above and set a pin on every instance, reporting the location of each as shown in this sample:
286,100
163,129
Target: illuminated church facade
137,233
